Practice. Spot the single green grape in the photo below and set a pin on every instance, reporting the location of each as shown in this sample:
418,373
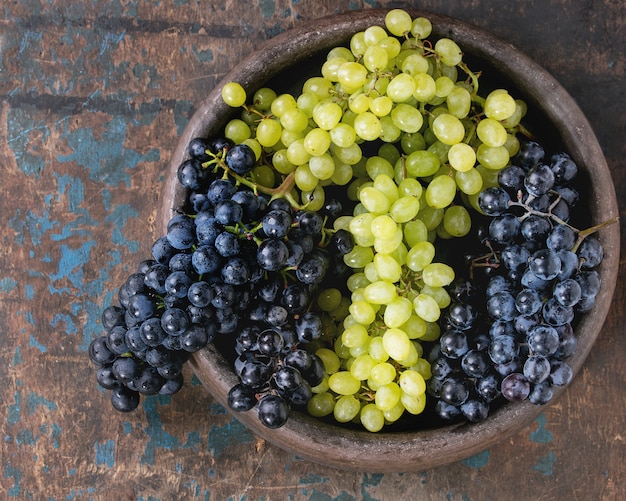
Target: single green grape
412,383
362,366
375,58
294,119
457,221
448,51
262,98
425,87
237,130
493,157
387,396
426,307
327,114
376,166
469,182
401,87
414,404
381,106
398,22
363,312
347,407
372,418
268,132
233,94
321,404
359,256
462,157
440,192
437,274
420,255
499,105
398,312
351,75
282,103
448,129
407,118
319,86
404,209
367,126
387,268
322,166
415,327
305,180
421,163
491,132
317,141
380,292
344,383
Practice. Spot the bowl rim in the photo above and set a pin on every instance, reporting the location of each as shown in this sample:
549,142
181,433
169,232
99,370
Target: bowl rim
359,450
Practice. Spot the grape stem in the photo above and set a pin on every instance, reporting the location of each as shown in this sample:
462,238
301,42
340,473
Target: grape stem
281,191
582,234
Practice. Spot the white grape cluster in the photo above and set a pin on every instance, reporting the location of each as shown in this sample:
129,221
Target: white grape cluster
399,122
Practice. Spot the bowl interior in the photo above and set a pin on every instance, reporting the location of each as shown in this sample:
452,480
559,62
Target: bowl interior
283,63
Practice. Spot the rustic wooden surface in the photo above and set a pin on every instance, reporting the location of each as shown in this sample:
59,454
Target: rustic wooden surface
93,96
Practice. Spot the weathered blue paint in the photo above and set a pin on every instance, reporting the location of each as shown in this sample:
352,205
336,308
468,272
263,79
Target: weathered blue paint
36,344
159,438
105,453
104,156
545,464
232,433
7,285
11,472
478,460
541,435
35,401
15,409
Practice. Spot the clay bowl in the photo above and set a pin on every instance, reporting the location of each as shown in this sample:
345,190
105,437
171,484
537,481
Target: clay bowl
557,116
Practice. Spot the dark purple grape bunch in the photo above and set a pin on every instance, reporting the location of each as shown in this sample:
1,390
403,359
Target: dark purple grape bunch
149,335
230,260
275,372
509,331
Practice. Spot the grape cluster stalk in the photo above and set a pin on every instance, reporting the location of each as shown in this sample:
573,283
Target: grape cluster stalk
315,248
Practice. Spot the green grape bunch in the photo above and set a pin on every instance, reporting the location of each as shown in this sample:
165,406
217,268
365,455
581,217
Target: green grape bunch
397,120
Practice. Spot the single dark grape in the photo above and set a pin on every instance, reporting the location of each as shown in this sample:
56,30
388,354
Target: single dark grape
494,201
228,212
453,343
197,337
543,340
590,253
124,399
240,159
219,190
191,174
197,148
454,391
475,410
99,353
112,316
273,411
539,180
545,264
276,223
174,321
515,387
241,398
126,369
206,260
541,393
